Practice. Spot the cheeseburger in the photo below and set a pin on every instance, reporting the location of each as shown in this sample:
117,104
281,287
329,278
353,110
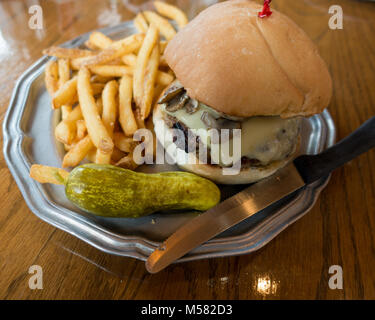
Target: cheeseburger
236,70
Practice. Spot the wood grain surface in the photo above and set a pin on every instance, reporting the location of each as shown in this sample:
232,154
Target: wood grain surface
339,230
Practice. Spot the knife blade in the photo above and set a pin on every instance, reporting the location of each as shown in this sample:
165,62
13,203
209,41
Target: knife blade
225,215
302,171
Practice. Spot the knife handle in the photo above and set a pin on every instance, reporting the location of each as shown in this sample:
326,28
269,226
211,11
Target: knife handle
314,167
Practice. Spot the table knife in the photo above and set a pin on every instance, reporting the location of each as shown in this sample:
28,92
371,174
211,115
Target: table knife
303,171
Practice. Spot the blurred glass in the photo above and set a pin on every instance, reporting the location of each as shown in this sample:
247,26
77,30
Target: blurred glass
191,7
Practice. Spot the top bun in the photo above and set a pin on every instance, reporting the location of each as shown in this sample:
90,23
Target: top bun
243,65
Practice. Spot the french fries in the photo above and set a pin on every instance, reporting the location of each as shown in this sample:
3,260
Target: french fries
110,106
98,40
51,77
162,24
106,91
115,50
66,132
75,114
171,12
99,105
165,79
100,79
126,115
109,114
115,71
64,71
140,23
123,143
67,94
81,129
65,110
129,59
102,157
64,76
95,127
149,83
45,174
91,155
67,53
162,45
111,70
140,68
139,119
78,152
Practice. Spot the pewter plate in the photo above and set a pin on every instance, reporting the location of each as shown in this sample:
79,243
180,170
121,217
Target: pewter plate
28,138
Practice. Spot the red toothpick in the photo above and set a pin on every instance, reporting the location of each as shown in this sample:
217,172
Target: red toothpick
266,12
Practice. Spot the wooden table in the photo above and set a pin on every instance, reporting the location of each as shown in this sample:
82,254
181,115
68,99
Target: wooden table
339,230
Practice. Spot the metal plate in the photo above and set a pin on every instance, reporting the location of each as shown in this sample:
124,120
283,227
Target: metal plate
28,138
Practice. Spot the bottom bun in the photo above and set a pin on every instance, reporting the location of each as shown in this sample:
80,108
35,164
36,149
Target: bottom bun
209,171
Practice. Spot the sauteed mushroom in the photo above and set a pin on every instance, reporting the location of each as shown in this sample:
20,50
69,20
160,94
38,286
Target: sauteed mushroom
191,106
177,103
173,91
220,123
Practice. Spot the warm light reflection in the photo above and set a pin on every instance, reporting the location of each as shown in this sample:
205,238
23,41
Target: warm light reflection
4,47
266,286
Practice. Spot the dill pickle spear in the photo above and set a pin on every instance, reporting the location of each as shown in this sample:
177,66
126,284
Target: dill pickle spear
110,191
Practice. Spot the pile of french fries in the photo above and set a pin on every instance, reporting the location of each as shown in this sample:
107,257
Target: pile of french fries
107,91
